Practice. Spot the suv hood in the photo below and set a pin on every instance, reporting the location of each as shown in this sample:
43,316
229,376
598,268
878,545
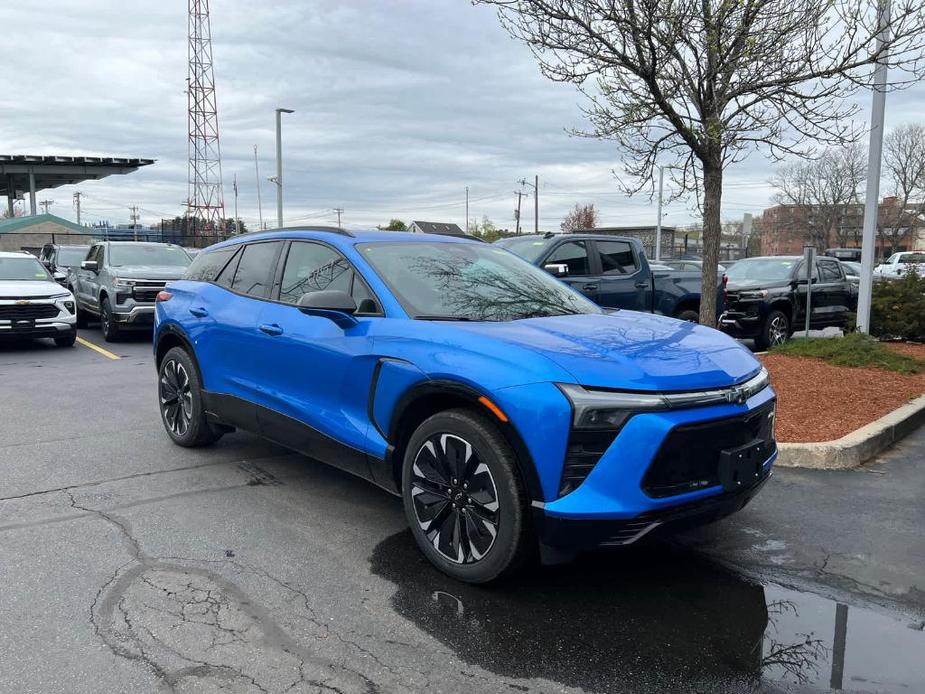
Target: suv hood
739,285
148,272
629,350
13,289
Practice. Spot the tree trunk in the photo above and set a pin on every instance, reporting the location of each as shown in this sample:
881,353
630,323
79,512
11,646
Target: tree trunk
712,197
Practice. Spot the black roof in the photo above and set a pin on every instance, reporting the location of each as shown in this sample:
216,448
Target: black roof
445,228
53,171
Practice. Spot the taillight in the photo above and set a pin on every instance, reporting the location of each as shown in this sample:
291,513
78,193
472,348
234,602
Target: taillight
725,282
163,296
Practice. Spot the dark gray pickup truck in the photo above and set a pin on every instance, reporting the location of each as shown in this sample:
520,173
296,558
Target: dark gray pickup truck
613,272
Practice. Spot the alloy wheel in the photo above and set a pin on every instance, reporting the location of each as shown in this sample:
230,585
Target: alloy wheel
455,499
176,397
777,331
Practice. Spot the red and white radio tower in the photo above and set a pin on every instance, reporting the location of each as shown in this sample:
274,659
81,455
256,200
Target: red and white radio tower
205,201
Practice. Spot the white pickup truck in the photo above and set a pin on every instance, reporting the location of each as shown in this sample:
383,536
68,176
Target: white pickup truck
899,264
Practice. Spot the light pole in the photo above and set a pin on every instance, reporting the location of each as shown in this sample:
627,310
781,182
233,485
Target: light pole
279,164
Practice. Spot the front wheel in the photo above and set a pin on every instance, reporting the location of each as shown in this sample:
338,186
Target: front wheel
689,315
180,401
108,323
775,331
464,498
67,340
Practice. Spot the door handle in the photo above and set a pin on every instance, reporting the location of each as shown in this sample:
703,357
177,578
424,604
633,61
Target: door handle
591,286
271,329
199,312
642,285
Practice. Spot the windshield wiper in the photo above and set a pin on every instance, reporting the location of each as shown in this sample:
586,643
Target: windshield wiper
447,318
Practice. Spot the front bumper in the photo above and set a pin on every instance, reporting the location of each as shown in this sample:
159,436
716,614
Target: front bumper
742,324
137,316
40,329
36,318
612,505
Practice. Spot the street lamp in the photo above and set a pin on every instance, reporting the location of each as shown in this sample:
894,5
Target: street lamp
278,178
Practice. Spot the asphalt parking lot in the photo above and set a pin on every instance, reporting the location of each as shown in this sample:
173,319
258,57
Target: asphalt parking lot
132,565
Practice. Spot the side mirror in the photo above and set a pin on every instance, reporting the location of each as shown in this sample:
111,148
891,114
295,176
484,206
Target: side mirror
60,277
556,269
333,304
47,263
91,265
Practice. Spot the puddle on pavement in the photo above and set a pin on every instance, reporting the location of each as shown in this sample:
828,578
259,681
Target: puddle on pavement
655,619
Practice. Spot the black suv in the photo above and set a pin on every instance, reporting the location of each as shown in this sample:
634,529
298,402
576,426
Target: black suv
59,257
766,298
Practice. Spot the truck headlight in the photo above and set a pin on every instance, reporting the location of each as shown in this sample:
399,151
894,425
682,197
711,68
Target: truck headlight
123,283
755,294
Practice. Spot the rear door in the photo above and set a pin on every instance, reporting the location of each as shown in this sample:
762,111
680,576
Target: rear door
834,291
622,282
315,373
576,256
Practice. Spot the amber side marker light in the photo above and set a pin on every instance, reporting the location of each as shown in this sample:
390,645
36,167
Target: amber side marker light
494,408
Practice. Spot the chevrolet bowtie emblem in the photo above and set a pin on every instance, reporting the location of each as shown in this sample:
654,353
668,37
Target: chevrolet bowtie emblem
22,302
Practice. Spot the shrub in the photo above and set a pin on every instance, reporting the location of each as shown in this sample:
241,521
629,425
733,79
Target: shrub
854,349
898,308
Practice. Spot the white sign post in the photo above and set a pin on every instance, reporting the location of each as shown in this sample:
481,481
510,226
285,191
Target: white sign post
809,262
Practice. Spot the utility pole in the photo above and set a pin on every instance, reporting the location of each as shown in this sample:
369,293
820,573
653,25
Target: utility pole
871,204
77,205
519,195
259,203
746,233
279,164
658,223
46,204
536,204
234,184
467,209
134,218
339,211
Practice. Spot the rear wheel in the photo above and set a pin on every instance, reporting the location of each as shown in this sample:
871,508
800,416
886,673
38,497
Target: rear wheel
775,331
464,499
81,314
108,323
689,315
180,401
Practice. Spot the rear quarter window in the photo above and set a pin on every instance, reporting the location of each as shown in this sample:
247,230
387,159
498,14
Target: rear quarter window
208,264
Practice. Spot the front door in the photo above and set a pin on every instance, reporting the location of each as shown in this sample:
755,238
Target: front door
315,373
577,258
622,283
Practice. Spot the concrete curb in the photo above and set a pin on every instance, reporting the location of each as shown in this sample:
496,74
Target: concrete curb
859,446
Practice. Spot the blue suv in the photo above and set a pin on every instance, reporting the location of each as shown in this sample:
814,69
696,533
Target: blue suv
509,412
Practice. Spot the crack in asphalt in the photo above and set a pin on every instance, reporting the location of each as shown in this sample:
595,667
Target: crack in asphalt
186,622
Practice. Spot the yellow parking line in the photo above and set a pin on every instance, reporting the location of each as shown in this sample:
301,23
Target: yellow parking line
98,349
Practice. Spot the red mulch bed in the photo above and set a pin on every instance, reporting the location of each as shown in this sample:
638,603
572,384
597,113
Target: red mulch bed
821,402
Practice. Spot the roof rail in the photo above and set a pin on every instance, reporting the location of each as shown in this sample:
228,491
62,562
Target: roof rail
332,230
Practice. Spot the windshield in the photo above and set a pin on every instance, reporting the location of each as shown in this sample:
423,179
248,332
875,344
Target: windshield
529,248
23,269
762,269
470,281
131,254
71,257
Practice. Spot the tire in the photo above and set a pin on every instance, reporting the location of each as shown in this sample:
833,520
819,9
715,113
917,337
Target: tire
108,325
689,315
68,340
81,314
775,331
179,392
479,538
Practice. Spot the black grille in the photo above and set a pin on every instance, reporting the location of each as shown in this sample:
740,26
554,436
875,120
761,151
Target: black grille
146,294
585,448
28,312
689,457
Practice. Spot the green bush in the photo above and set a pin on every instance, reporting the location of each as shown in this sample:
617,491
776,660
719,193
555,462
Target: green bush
898,308
854,349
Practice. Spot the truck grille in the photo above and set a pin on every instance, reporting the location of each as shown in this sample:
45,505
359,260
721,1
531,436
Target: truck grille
28,312
688,459
147,291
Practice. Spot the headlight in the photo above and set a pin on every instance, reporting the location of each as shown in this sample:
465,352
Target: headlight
122,284
604,409
63,295
757,294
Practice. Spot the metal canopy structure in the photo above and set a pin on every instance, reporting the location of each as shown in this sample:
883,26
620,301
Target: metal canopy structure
22,173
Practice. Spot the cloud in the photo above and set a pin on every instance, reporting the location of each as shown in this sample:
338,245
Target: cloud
398,107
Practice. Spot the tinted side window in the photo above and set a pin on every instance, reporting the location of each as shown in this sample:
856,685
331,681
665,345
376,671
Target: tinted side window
206,266
616,257
95,254
256,268
830,272
574,254
226,276
312,267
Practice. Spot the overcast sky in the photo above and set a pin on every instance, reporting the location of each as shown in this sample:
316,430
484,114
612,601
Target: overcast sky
399,105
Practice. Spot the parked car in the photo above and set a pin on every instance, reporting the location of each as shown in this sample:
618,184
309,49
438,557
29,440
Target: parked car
60,258
852,271
690,266
502,405
613,272
900,263
118,281
849,254
32,303
766,298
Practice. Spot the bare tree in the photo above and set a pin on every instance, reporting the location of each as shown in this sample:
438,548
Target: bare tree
582,217
704,83
904,163
826,194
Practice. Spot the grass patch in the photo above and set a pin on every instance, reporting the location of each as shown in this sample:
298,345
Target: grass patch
854,349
